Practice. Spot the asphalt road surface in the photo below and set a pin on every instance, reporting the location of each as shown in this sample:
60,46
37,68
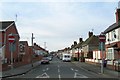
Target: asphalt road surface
59,69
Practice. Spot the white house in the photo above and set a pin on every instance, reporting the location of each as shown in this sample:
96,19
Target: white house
113,41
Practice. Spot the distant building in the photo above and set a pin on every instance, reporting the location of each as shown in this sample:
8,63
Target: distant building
90,44
24,54
72,50
78,49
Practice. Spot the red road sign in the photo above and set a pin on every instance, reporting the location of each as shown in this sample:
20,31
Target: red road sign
102,38
11,39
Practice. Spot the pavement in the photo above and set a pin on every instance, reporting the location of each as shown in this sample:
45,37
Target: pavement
89,67
97,69
19,70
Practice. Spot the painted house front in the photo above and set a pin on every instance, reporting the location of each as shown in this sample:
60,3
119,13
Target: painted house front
79,50
73,51
113,42
89,45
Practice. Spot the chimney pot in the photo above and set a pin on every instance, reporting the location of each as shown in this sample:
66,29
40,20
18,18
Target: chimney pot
80,39
90,34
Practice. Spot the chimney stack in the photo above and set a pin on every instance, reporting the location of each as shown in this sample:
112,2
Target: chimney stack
80,40
90,34
118,13
75,43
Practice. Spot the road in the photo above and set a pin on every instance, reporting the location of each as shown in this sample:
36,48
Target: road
59,69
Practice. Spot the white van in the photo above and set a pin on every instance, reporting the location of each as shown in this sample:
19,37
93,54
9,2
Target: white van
66,57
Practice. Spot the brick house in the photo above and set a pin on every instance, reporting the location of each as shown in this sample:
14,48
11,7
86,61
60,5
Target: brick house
6,28
113,42
78,49
73,50
90,44
39,52
24,54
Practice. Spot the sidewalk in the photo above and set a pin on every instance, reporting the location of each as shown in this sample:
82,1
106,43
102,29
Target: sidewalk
20,70
97,69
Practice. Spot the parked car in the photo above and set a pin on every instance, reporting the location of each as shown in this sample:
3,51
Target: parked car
49,58
45,60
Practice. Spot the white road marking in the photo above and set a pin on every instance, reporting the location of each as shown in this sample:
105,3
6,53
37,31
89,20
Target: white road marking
58,70
44,75
72,69
58,66
77,75
47,69
76,70
59,77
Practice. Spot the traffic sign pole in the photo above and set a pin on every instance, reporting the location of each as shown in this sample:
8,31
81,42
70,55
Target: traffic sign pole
11,39
102,39
102,68
11,44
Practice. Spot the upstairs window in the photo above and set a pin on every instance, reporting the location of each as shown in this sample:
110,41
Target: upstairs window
113,35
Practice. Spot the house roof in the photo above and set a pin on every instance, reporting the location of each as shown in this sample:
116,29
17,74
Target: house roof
23,42
5,24
112,27
79,44
92,40
73,46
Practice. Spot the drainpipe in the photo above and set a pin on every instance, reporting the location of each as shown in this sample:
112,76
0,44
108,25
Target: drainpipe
4,43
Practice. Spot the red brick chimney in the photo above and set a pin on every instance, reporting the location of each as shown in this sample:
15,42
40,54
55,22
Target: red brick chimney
118,13
90,34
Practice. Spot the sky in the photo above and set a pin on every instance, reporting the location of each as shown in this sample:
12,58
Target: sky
58,23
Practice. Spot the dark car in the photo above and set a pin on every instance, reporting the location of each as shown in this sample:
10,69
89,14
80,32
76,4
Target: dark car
45,60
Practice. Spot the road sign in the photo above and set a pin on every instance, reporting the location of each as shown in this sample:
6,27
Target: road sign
102,38
11,38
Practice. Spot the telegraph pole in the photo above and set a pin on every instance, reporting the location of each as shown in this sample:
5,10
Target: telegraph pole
32,50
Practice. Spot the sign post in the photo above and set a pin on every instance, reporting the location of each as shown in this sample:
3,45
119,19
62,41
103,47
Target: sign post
11,40
102,39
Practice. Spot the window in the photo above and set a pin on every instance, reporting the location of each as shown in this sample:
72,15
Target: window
22,48
110,54
67,56
113,35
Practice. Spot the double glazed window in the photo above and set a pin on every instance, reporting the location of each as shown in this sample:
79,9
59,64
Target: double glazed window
110,54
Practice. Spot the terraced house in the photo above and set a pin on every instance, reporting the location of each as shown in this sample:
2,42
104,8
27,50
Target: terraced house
90,44
113,43
6,28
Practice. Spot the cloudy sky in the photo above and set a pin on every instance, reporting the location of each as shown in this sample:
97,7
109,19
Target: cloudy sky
58,22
